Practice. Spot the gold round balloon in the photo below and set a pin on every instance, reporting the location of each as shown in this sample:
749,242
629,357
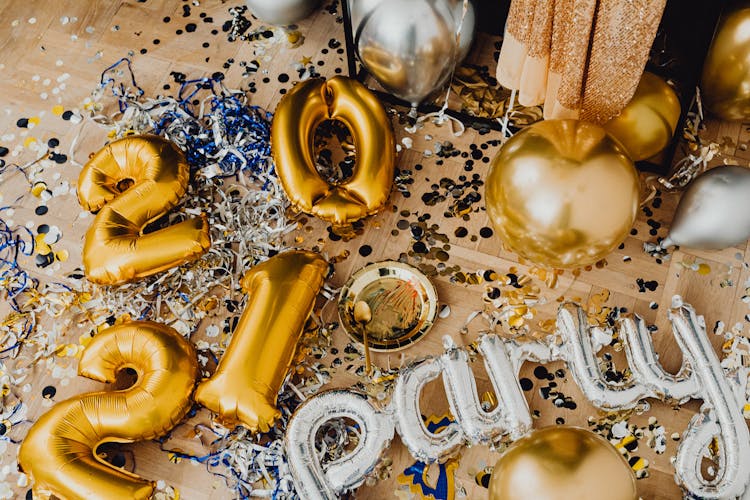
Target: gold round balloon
647,124
561,463
725,85
562,193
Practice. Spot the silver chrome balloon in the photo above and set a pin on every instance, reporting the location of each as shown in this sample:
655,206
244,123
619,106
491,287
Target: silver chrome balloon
281,12
701,377
464,23
408,46
714,211
422,444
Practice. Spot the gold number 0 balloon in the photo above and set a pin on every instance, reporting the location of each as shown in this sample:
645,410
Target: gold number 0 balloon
59,452
282,295
297,117
132,182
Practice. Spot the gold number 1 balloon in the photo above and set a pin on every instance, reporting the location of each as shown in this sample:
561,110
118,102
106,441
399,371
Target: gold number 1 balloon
297,117
59,452
282,294
132,182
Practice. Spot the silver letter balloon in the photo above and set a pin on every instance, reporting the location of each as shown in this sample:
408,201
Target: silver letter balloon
281,12
714,211
702,377
409,46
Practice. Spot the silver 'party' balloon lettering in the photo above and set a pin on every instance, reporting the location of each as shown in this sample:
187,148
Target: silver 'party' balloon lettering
701,376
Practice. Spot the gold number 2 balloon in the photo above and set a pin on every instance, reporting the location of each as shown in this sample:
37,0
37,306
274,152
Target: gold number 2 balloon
295,120
282,294
132,182
59,452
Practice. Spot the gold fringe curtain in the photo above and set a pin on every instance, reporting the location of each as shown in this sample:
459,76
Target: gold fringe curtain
581,58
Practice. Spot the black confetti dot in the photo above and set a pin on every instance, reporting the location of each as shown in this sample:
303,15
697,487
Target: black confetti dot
22,123
541,372
166,19
53,143
365,250
118,460
190,27
43,229
44,260
3,151
526,384
41,210
485,232
157,41
283,78
67,115
49,392
461,232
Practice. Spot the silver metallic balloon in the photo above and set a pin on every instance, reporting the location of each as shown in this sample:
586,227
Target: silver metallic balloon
408,46
721,416
422,444
359,9
281,12
701,377
347,472
714,211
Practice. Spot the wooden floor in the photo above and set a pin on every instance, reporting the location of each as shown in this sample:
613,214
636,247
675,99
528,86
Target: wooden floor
51,57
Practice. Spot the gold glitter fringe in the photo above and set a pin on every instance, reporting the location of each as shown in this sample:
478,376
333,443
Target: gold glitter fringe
582,58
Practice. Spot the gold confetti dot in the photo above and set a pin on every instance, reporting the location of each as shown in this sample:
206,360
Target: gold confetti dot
704,269
29,141
38,188
57,110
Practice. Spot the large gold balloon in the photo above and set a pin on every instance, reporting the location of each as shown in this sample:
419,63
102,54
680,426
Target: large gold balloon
295,121
647,124
562,463
132,182
59,452
282,294
562,193
725,85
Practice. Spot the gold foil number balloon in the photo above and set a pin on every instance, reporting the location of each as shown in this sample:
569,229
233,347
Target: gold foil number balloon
132,182
297,117
562,193
725,84
282,294
59,452
562,463
647,124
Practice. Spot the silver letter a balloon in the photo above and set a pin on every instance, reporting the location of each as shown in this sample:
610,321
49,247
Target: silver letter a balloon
714,212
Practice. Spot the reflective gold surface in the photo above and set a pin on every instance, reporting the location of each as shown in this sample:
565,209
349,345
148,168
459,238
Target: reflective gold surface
725,85
282,292
59,452
648,122
297,117
562,463
562,193
402,301
132,182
